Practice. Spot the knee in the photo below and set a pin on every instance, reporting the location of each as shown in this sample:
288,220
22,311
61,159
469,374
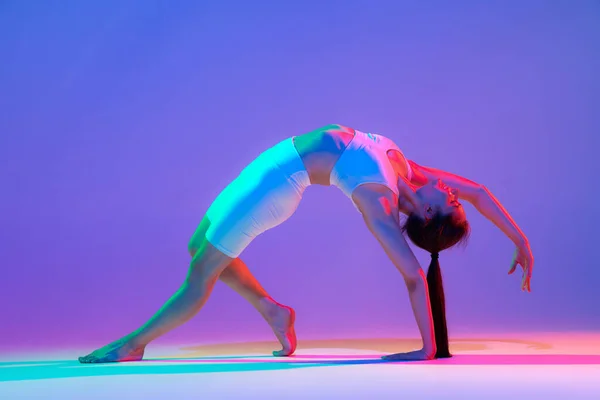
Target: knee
199,236
196,244
197,282
204,270
192,248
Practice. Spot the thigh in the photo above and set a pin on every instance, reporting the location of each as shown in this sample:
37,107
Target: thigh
237,218
199,236
196,243
207,261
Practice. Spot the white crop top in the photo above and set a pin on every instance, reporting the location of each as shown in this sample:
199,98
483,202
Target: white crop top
365,160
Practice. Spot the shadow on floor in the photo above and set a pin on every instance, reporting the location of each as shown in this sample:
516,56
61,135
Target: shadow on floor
232,357
390,345
22,371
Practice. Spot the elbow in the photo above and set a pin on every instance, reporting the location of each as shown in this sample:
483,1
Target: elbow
480,190
479,194
415,281
382,225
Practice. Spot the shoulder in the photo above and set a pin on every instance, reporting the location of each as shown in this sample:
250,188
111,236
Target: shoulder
418,177
376,202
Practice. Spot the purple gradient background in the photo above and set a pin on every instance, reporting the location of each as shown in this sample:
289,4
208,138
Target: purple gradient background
121,120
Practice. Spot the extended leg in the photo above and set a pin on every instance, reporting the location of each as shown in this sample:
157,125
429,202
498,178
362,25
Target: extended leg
204,271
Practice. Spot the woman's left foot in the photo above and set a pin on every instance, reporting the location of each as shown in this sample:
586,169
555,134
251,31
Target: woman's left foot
121,350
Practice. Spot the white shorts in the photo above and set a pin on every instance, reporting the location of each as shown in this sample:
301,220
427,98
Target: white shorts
265,194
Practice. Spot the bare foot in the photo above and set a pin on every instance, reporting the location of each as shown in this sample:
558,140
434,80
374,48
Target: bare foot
281,319
118,351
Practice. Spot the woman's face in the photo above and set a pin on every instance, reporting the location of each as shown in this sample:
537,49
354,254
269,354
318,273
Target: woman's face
438,197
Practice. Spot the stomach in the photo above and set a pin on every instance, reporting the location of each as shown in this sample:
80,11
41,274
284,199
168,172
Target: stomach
321,149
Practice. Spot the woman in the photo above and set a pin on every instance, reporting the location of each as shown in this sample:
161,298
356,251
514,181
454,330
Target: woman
373,172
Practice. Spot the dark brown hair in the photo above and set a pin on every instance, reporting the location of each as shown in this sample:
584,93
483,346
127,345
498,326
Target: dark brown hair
435,235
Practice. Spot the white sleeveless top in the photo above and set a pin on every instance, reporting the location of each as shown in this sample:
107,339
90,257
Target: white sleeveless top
365,160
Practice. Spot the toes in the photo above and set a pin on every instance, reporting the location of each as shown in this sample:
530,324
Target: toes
84,359
90,358
282,353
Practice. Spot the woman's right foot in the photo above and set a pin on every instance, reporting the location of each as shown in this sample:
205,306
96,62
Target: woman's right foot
281,319
121,350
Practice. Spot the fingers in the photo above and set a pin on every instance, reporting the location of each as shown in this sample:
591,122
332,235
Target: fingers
513,266
529,270
530,267
526,263
529,273
526,282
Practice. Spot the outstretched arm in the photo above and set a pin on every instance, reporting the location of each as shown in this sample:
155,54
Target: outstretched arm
476,194
377,205
487,204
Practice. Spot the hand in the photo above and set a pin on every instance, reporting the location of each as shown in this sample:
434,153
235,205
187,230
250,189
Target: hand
410,356
524,258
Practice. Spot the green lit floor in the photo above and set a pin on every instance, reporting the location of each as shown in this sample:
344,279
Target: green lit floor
561,366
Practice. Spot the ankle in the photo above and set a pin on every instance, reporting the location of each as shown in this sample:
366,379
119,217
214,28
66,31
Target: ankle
264,302
136,341
266,306
430,351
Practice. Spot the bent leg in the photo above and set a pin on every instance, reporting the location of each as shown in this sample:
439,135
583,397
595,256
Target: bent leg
204,271
239,278
281,318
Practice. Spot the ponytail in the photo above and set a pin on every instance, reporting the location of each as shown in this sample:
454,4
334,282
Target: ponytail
436,234
438,307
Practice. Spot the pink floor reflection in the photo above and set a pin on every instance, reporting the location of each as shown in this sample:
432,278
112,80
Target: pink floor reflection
518,366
